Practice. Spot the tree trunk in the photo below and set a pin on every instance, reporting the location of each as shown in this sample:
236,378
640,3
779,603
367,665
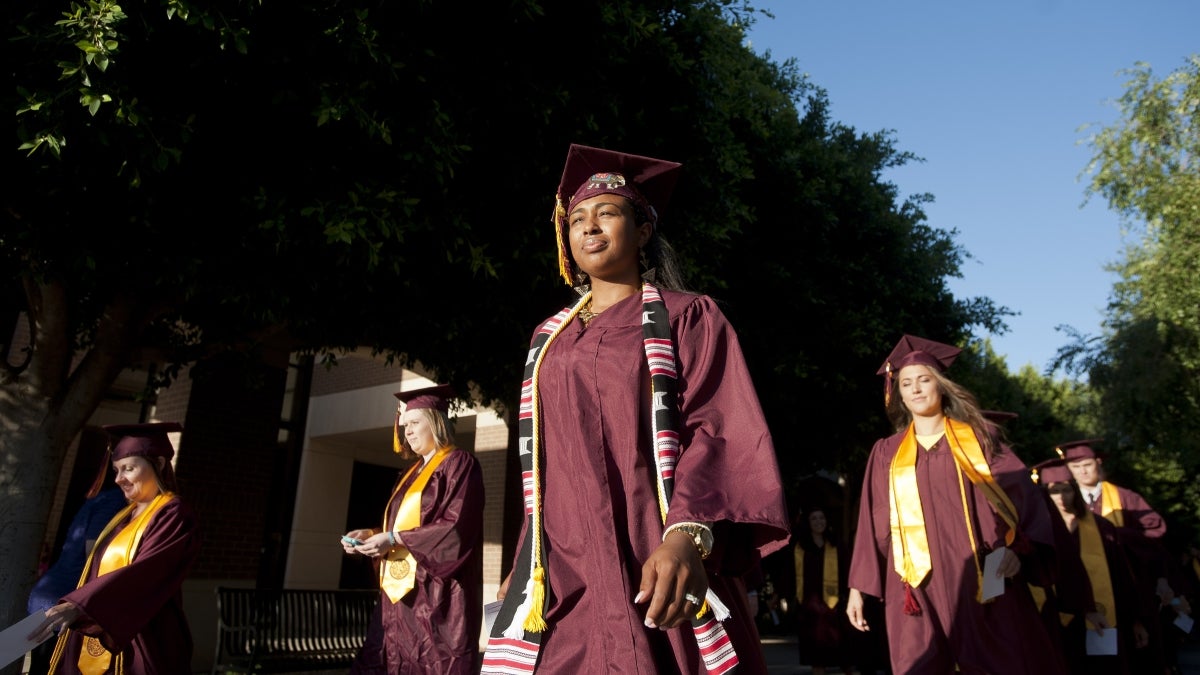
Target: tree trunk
28,477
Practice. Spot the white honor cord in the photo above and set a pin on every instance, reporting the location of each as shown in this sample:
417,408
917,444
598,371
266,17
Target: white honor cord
719,609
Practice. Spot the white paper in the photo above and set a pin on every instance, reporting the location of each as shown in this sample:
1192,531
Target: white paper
993,585
13,644
1183,622
1103,644
490,611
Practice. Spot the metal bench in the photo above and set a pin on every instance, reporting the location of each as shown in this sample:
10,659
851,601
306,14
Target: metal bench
290,630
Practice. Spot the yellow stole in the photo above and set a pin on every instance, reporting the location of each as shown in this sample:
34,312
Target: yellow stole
398,573
1091,550
910,546
1111,505
94,659
829,575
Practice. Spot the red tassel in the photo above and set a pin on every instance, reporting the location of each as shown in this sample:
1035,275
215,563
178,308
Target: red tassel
911,607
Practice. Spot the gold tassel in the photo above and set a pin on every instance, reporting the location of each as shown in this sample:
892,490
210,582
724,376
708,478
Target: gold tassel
560,213
703,609
396,433
534,623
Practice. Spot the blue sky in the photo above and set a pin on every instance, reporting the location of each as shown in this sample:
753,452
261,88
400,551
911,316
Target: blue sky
992,95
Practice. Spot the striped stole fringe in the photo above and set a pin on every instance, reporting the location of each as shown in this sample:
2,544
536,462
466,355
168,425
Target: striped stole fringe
515,640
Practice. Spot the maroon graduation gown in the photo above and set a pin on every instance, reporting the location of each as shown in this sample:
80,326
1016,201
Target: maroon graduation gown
138,609
1074,591
1141,534
823,632
601,514
434,629
954,629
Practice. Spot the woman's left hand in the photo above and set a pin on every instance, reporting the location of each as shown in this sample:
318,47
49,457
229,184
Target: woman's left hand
376,545
1009,565
673,572
58,617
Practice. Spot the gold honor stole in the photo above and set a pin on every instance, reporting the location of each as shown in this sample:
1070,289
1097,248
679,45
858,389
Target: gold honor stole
910,547
1111,505
398,573
829,575
94,659
1091,550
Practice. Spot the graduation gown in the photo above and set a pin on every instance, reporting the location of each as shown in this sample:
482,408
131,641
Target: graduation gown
137,609
1074,592
600,507
823,631
953,629
1141,533
434,629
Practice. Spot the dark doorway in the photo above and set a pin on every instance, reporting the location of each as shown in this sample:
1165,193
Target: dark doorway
370,488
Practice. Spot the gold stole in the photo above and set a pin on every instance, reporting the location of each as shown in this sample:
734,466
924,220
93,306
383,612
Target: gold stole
1110,507
829,575
1091,550
94,659
910,547
398,573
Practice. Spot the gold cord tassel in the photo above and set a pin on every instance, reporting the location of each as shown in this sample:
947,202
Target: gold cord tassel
534,623
396,433
560,213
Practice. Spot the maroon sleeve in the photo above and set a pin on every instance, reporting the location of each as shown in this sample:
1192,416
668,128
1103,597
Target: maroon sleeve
868,561
451,516
727,472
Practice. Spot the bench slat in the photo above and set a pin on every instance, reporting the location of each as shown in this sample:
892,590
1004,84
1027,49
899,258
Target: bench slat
286,630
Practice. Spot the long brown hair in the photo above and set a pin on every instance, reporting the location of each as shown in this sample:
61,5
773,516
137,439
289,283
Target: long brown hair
958,404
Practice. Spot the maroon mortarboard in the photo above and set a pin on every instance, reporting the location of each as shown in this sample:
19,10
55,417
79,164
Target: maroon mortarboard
588,172
436,398
1079,449
912,350
142,440
1051,471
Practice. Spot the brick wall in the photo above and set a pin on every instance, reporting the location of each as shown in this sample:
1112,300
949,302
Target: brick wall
228,459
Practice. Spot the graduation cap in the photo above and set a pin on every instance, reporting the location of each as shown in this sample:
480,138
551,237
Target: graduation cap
1079,449
588,172
1051,471
142,440
911,350
139,440
436,398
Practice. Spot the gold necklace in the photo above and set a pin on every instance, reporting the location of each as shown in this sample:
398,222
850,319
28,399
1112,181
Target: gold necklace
586,314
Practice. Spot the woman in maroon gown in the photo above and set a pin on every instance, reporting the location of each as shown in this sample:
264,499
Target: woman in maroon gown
126,616
650,476
820,565
942,499
429,549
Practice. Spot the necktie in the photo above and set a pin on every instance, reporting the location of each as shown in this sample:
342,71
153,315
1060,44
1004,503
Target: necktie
1092,499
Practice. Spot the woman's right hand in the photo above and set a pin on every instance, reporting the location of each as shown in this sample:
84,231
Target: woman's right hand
854,610
58,617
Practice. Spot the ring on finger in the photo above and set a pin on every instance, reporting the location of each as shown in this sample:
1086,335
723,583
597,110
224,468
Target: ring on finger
691,597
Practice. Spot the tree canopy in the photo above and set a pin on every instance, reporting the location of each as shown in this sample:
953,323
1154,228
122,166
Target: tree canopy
1146,365
194,179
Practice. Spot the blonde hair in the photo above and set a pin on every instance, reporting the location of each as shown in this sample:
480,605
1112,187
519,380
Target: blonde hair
439,422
